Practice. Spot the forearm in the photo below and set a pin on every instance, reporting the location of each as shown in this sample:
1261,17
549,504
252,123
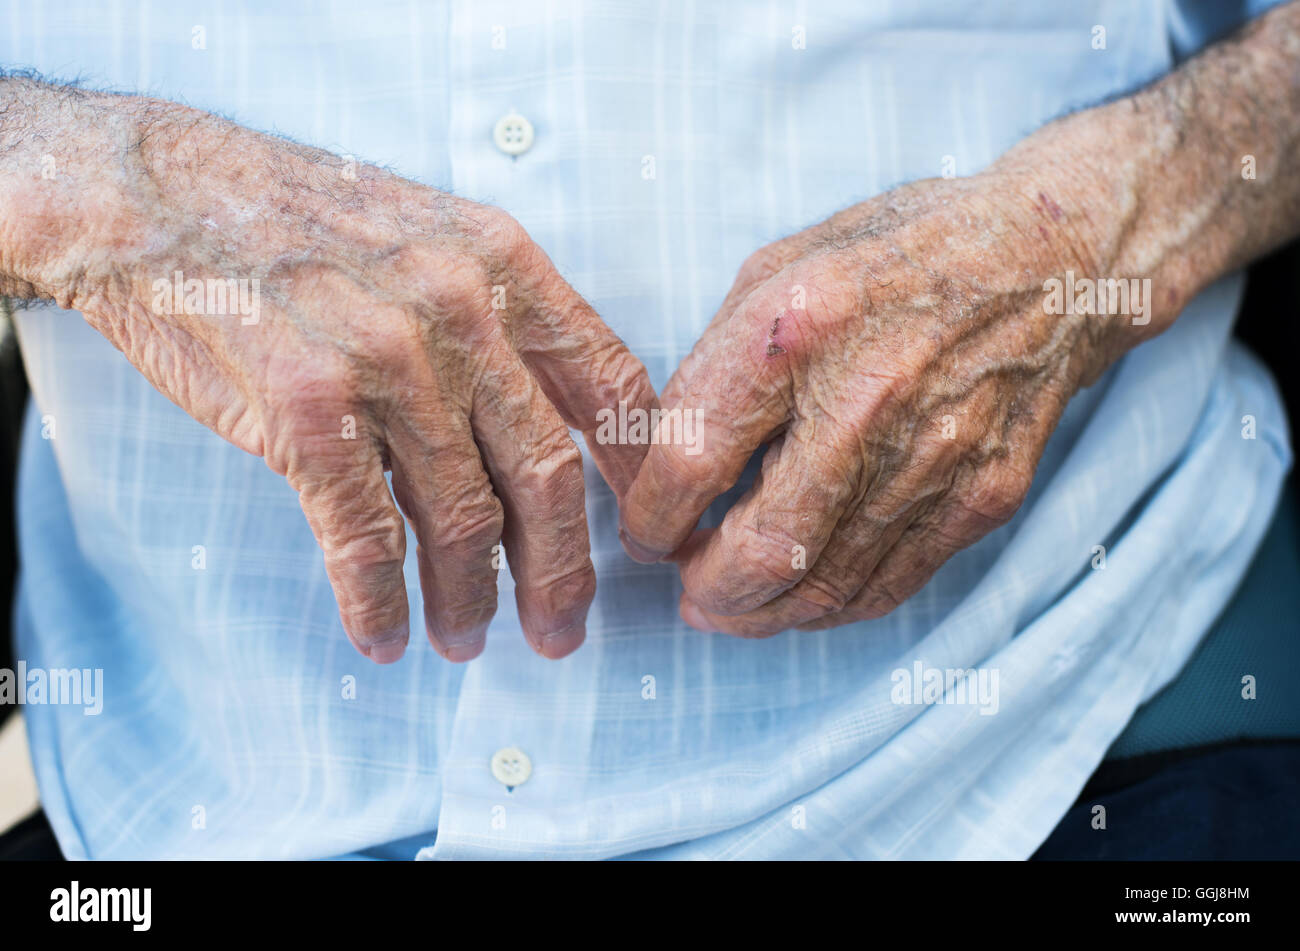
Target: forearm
1158,185
87,178
63,163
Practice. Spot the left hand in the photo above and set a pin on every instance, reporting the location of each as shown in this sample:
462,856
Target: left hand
898,361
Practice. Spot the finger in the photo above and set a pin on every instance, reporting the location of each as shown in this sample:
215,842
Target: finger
537,470
889,499
584,369
757,269
832,582
776,532
901,573
741,393
347,504
440,483
957,523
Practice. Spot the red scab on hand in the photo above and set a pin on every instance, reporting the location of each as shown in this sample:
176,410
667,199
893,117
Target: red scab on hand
774,349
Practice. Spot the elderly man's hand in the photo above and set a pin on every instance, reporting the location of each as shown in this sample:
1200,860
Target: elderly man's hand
908,359
898,361
394,327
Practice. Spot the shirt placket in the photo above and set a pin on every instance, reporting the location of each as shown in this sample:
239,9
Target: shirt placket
522,728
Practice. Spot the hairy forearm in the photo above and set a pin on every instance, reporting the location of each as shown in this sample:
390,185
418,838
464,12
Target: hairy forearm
88,177
1186,180
64,162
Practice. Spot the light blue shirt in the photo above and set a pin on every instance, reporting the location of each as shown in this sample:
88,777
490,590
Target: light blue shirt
238,721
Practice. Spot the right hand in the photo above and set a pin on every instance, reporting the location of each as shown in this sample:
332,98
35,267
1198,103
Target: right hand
431,326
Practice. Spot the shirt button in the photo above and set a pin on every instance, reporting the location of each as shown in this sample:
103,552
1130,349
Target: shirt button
513,134
511,766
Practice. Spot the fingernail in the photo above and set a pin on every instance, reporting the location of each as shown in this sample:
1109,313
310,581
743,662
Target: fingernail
635,549
464,647
563,642
459,653
386,652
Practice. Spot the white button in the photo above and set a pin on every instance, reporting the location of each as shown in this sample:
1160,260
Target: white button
513,134
511,766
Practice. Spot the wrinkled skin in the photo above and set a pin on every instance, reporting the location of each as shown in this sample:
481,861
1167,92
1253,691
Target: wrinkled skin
377,302
895,361
898,363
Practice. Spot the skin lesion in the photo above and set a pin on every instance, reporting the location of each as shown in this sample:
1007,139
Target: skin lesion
774,349
1050,207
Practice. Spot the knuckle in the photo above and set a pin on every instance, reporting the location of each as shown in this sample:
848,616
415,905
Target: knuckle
620,375
762,303
551,466
466,288
759,266
560,595
447,280
473,523
996,496
380,543
820,288
769,551
418,265
823,594
392,342
509,236
698,474
500,237
765,569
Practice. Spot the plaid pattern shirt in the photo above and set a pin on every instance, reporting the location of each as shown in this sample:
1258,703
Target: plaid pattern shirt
672,140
